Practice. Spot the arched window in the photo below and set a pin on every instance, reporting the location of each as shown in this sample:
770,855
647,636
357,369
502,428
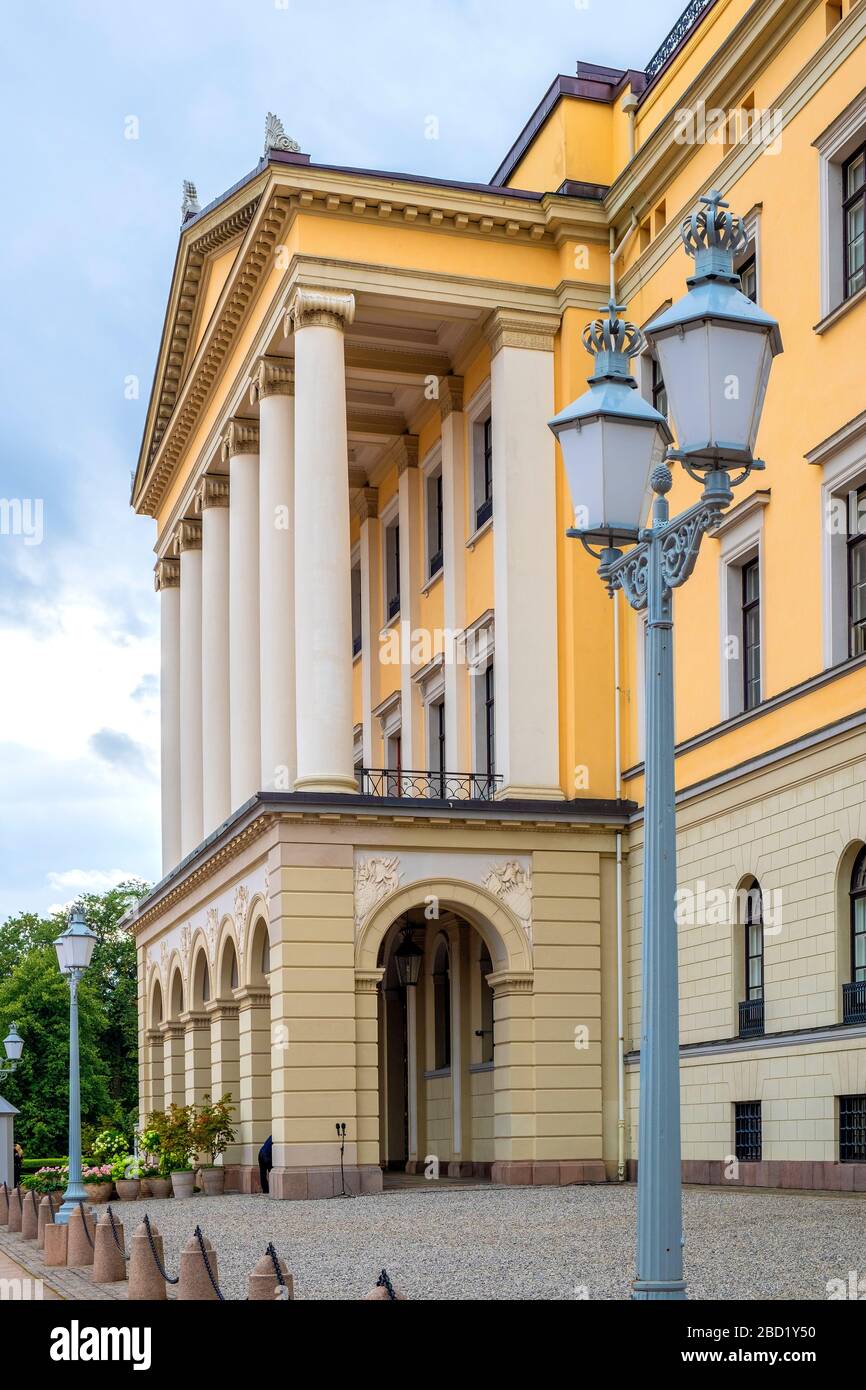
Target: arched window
485,966
266,954
442,1007
858,918
754,943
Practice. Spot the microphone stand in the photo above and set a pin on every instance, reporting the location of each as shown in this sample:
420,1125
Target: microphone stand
341,1135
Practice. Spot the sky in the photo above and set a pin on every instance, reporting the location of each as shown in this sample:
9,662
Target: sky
87,247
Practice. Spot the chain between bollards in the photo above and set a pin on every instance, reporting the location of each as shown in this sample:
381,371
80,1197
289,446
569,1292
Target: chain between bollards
216,1288
84,1222
383,1282
156,1259
114,1233
274,1260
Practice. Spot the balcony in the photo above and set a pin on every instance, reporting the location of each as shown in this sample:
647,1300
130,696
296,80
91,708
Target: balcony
854,1002
752,1018
428,786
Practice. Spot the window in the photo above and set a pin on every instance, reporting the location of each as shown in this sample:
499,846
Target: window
442,1008
852,1129
754,943
659,390
748,273
857,574
489,723
356,608
751,634
832,14
747,1131
853,229
858,919
392,570
485,966
483,472
435,526
436,728
394,763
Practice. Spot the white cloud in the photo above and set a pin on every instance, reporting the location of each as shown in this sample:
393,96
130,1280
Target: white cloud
88,880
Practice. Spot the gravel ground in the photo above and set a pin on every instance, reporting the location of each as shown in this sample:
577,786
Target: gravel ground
526,1243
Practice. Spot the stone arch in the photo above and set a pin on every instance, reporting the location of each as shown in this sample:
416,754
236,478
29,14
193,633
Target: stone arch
257,910
258,953
842,924
156,1011
496,925
176,997
227,954
200,980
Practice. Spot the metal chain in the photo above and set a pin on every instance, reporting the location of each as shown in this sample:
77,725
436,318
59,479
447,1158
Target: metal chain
84,1222
114,1233
383,1282
216,1288
156,1259
34,1203
277,1271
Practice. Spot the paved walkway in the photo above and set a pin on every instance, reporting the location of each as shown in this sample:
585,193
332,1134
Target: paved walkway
16,1281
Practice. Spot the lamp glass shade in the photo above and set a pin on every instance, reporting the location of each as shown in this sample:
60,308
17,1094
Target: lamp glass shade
75,946
407,959
716,376
14,1044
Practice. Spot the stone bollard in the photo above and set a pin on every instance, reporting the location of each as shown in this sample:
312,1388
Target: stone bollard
56,1238
195,1282
82,1228
384,1292
109,1263
4,1204
15,1209
30,1216
145,1280
47,1209
263,1284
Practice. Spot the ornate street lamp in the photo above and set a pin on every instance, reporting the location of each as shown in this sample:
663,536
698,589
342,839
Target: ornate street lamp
407,959
74,949
715,348
13,1045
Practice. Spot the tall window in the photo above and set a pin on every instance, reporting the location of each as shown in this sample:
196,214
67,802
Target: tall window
392,569
858,919
748,1139
751,634
484,491
857,577
435,526
489,723
852,1129
356,609
748,273
442,1008
485,966
394,762
659,390
436,717
754,943
854,220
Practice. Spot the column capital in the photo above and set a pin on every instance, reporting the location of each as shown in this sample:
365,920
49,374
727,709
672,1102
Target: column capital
365,505
319,308
511,328
240,437
166,574
404,452
511,981
187,536
212,491
368,981
272,376
195,1021
450,395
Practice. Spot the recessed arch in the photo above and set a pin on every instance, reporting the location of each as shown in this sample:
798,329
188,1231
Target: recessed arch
228,974
258,952
201,992
156,1012
176,1004
496,925
848,859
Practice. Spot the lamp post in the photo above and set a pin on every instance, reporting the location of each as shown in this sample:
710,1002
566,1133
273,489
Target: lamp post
715,348
74,949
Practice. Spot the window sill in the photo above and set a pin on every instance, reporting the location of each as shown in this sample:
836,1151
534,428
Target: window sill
443,1073
476,535
432,581
356,656
476,1067
840,311
392,622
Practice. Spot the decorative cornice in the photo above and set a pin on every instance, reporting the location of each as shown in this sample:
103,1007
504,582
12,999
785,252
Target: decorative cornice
166,574
212,491
511,981
195,1021
187,536
241,437
507,329
252,997
273,376
365,504
276,137
220,1010
319,309
450,395
368,981
403,453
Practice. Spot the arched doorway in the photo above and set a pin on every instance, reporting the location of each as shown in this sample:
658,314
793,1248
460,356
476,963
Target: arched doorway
255,1048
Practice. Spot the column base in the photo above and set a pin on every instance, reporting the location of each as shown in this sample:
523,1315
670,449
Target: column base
313,1184
650,1289
326,783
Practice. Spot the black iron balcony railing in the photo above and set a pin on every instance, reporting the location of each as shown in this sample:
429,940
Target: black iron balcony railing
854,1002
752,1018
686,22
427,786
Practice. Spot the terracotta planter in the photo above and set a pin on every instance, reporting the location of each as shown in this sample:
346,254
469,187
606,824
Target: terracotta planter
213,1181
99,1192
128,1189
160,1188
182,1184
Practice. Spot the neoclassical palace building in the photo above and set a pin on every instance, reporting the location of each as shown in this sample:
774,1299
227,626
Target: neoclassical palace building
402,744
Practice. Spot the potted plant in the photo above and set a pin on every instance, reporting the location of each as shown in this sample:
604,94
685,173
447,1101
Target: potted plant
156,1182
177,1146
152,1185
125,1170
98,1181
213,1132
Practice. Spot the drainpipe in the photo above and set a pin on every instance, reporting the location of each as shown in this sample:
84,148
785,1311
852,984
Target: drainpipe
629,105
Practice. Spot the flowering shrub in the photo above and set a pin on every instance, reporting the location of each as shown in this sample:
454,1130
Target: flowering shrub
99,1174
47,1179
125,1168
109,1144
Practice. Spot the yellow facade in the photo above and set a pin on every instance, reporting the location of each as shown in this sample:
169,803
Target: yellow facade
592,195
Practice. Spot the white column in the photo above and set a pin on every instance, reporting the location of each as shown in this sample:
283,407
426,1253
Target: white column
414,753
167,583
366,508
454,570
274,388
455,969
412,1071
212,501
188,543
241,448
323,601
524,555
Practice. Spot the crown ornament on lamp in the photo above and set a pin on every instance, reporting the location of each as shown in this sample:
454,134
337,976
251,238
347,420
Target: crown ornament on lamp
610,437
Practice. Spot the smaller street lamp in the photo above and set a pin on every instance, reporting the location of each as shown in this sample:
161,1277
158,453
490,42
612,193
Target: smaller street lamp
407,959
13,1045
74,949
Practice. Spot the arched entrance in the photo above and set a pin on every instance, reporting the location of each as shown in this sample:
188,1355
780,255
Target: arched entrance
442,1040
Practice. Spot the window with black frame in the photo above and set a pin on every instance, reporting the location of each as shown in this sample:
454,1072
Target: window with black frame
858,920
392,569
751,634
441,1008
748,1137
659,390
857,575
490,727
748,273
854,221
752,1007
484,499
852,1129
435,524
